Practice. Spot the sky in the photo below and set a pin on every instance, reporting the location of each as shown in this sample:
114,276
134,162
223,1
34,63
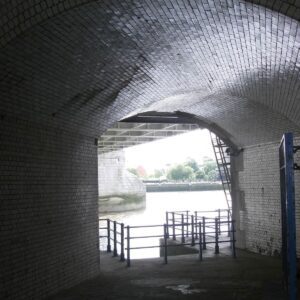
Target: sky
177,149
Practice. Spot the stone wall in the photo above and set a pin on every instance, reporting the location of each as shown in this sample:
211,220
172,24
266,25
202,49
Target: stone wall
48,210
259,209
119,190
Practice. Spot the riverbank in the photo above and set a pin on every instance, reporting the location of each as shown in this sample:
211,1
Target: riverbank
122,202
183,187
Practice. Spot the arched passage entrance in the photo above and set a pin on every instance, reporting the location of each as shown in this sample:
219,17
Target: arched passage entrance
72,68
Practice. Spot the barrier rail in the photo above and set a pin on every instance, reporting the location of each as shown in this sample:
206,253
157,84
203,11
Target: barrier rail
187,230
113,238
176,217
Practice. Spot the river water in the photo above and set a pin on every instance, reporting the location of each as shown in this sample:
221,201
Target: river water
155,213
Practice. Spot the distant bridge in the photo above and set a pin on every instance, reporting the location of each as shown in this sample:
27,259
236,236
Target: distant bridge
123,135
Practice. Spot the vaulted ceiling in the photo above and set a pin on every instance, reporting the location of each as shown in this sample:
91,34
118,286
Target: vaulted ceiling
82,65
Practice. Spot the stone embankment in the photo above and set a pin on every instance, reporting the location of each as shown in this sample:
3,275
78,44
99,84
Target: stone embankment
186,186
119,190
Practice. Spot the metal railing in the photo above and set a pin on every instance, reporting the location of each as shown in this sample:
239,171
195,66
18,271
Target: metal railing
114,230
187,230
181,217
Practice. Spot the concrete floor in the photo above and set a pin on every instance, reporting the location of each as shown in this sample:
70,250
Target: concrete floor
250,276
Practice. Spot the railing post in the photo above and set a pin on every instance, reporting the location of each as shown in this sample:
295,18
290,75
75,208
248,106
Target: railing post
200,242
108,236
182,229
115,240
122,256
219,216
173,226
128,246
216,236
228,220
193,233
167,222
165,244
204,238
233,239
187,223
196,222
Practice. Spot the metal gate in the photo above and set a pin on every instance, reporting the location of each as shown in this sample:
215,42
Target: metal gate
287,187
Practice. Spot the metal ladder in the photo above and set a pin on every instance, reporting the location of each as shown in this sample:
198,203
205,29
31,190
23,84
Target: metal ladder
223,162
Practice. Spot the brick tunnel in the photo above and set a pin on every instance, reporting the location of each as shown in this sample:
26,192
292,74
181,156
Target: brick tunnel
70,69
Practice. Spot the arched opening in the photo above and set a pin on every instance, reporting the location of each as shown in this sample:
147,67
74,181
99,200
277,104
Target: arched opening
180,191
70,69
237,159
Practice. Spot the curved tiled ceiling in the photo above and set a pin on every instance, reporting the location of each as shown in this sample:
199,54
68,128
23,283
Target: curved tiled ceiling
86,64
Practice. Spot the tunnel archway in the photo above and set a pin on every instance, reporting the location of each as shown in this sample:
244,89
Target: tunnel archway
228,174
52,56
72,68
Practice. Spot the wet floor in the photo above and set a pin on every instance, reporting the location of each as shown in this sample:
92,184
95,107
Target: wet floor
250,276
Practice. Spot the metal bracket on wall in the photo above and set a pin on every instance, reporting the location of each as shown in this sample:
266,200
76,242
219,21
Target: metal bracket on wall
296,167
295,150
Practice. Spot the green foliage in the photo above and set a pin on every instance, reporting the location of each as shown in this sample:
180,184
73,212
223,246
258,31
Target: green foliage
209,165
200,174
192,170
189,170
212,175
158,173
180,172
193,164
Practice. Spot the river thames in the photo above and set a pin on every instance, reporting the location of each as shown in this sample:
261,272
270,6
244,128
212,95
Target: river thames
155,213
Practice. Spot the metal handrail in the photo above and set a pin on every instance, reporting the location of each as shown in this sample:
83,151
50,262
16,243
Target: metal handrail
198,229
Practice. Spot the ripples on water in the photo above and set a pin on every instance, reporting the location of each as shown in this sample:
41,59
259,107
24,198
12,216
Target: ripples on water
156,206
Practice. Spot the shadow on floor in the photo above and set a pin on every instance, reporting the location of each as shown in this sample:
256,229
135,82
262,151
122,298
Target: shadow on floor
250,276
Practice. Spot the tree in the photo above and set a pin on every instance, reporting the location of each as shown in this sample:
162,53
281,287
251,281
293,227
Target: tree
159,173
180,172
212,175
200,174
208,171
193,164
209,165
141,172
